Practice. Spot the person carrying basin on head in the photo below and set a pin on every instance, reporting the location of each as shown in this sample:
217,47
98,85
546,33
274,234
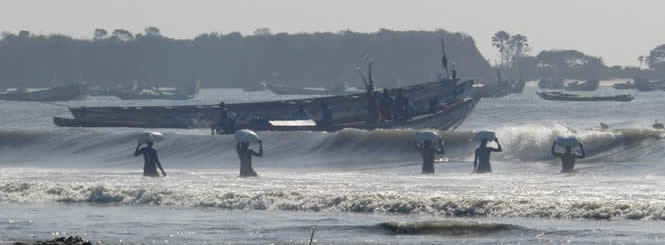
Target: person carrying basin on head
481,160
150,158
425,143
568,157
244,137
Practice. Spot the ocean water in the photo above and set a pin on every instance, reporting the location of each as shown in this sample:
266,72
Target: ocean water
354,186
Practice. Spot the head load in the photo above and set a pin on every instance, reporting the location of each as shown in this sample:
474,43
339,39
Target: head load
151,137
427,135
246,136
484,135
567,141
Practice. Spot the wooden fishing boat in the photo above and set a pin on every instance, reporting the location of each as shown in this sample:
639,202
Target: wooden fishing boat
626,85
591,85
645,85
558,96
159,94
61,93
346,109
550,83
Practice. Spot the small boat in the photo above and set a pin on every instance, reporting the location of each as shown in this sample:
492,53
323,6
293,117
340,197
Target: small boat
558,96
591,85
645,85
61,93
626,85
550,83
158,94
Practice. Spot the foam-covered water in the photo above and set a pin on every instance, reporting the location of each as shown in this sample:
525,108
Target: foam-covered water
369,181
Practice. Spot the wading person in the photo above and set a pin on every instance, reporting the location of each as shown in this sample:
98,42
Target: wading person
428,152
568,157
245,154
481,161
150,160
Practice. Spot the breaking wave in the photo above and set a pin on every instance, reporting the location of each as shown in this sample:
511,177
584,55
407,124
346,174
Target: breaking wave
92,148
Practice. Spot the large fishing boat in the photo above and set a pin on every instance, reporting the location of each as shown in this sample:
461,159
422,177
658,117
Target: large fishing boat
456,100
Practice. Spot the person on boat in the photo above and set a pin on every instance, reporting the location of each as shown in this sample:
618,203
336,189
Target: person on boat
481,160
454,72
223,121
245,154
658,125
300,114
434,106
428,152
386,104
150,160
568,157
326,115
401,110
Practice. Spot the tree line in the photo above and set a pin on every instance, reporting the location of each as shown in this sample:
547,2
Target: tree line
118,57
514,59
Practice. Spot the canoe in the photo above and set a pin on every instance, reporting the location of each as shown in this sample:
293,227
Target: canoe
550,83
558,96
61,93
346,109
626,85
177,94
591,85
449,117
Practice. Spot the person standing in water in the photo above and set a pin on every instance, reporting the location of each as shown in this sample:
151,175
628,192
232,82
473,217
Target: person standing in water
245,154
223,121
568,158
481,161
428,151
150,160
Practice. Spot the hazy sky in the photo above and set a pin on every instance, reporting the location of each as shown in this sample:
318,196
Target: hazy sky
617,30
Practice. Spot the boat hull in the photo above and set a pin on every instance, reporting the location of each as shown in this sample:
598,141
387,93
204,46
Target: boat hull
346,109
573,97
63,93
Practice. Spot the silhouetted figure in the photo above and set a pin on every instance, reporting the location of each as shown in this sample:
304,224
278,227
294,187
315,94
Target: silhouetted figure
150,160
223,121
454,73
434,105
326,115
386,104
481,161
300,114
568,158
429,151
245,154
401,110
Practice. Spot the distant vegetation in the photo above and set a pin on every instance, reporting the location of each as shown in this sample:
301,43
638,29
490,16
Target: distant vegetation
233,60
568,64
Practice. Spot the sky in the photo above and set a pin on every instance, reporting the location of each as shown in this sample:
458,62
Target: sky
617,30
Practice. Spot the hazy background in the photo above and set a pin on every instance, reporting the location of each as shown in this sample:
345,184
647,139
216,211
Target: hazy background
618,31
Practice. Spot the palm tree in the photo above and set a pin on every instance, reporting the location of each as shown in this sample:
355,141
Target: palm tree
642,60
518,45
499,40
